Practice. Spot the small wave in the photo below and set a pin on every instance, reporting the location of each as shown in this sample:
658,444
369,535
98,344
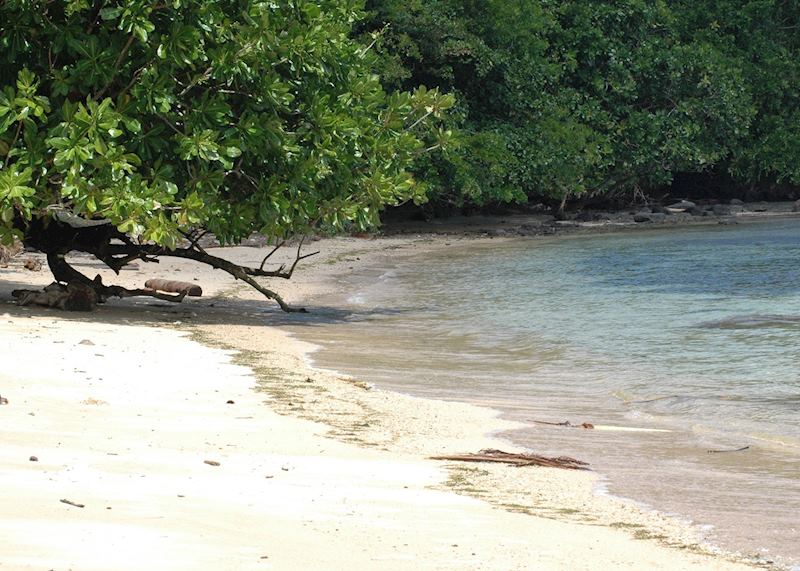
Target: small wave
753,322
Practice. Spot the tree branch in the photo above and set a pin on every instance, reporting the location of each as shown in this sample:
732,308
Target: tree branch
267,257
117,65
57,238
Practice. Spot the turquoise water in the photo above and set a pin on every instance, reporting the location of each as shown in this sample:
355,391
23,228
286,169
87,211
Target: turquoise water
692,331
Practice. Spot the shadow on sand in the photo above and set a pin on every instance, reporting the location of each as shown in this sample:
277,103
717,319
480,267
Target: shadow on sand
192,311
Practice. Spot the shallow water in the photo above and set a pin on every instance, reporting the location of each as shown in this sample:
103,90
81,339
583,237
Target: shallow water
695,332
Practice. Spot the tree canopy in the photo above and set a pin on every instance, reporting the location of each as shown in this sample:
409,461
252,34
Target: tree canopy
559,98
171,118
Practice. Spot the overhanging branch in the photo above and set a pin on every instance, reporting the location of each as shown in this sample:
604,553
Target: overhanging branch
60,235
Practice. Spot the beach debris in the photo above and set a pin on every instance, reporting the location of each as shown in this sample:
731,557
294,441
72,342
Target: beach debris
3,400
86,342
211,462
681,206
32,265
33,459
229,402
363,385
566,423
743,448
71,503
172,286
9,251
72,297
666,397
518,459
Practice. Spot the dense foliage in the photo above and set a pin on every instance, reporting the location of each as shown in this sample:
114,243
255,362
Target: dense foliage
559,98
233,116
229,115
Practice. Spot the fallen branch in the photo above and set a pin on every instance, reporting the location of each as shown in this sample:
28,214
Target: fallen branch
566,423
734,450
71,503
65,233
491,455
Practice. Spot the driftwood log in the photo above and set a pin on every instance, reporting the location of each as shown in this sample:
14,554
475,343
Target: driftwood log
491,455
171,286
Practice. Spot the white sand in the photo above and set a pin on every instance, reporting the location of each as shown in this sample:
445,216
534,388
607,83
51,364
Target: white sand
338,480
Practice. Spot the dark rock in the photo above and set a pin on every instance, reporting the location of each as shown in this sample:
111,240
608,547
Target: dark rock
531,226
694,211
680,217
659,209
642,217
586,216
721,209
623,218
736,208
758,207
737,202
33,459
658,217
796,206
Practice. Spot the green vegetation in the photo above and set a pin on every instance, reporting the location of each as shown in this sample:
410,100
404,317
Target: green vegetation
172,118
233,116
602,98
169,119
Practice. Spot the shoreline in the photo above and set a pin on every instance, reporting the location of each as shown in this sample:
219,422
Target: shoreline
595,503
603,530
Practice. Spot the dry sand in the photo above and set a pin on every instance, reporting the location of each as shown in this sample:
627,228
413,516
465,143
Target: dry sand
122,408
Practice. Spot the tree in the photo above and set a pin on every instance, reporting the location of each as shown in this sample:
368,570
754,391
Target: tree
130,128
562,98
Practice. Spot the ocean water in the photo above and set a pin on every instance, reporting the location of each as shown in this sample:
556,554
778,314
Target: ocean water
691,333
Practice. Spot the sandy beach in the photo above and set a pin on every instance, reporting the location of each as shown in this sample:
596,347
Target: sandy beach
198,436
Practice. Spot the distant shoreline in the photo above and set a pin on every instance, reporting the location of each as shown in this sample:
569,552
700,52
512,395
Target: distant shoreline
592,221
